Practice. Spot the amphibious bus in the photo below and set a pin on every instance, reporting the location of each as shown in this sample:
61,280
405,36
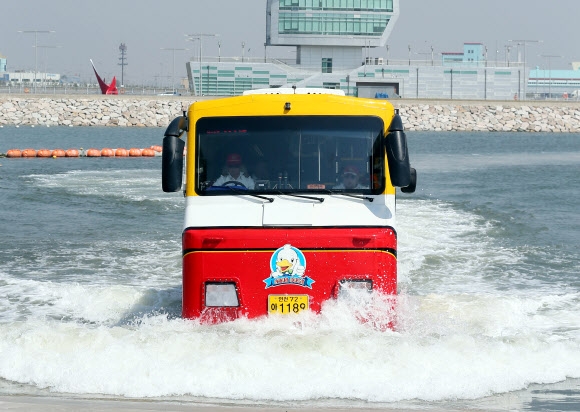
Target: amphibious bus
289,200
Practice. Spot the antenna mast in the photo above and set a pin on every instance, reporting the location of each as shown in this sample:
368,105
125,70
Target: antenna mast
123,50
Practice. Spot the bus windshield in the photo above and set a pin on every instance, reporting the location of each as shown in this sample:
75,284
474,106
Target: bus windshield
289,154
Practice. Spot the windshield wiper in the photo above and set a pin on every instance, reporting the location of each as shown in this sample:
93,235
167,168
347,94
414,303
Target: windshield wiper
338,192
320,199
245,192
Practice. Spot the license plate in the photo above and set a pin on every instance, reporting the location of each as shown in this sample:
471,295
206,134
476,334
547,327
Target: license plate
286,304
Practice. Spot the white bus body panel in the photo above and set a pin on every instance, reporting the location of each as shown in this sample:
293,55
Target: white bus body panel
248,211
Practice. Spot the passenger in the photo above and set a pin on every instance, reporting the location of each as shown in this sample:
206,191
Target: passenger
233,173
350,179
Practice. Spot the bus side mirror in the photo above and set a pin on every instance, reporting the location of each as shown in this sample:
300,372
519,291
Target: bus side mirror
413,185
398,154
172,155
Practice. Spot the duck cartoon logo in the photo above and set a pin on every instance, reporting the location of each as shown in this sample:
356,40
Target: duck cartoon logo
287,267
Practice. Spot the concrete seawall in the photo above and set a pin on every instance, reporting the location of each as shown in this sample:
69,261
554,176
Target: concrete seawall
424,115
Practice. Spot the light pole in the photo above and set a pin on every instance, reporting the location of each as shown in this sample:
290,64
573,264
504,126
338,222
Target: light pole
409,54
200,36
549,57
173,49
46,47
36,32
525,42
243,48
485,48
507,54
432,63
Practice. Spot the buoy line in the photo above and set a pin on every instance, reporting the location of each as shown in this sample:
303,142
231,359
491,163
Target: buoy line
151,151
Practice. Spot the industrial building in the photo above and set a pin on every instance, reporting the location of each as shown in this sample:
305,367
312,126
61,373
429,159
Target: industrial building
333,40
25,80
330,37
554,84
2,64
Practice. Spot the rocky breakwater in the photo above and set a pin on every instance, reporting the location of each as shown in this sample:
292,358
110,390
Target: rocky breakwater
491,118
417,115
112,111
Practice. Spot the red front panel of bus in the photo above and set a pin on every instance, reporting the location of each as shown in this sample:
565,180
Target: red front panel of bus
247,257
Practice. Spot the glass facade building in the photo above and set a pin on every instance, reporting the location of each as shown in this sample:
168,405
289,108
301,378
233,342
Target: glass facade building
333,39
364,5
330,37
323,23
333,24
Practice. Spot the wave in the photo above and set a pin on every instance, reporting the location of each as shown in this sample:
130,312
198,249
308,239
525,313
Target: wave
448,347
97,316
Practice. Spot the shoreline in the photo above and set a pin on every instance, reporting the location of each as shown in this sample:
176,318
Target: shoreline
31,403
417,115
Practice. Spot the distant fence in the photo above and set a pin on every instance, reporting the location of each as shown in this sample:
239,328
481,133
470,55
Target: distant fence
87,90
533,92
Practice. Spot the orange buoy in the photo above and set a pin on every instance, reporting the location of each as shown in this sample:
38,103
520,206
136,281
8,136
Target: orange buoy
158,149
93,153
13,153
29,153
148,152
43,153
121,152
106,152
58,153
134,152
71,153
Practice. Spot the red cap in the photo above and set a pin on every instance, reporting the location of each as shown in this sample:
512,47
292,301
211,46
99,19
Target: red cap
350,170
234,159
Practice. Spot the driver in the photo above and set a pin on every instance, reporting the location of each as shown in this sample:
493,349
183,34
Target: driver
350,179
234,173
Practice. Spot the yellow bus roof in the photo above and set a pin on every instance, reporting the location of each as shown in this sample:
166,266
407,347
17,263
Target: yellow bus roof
292,105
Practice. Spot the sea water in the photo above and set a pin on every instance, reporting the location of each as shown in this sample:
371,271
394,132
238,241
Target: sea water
488,305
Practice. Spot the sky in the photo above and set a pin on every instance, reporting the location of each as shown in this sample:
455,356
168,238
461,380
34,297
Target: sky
94,30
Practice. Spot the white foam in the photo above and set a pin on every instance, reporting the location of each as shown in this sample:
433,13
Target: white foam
135,185
444,249
446,347
463,331
83,303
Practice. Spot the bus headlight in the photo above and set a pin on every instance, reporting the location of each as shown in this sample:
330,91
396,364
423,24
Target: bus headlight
345,287
221,294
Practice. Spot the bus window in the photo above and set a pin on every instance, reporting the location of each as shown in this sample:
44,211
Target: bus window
289,154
